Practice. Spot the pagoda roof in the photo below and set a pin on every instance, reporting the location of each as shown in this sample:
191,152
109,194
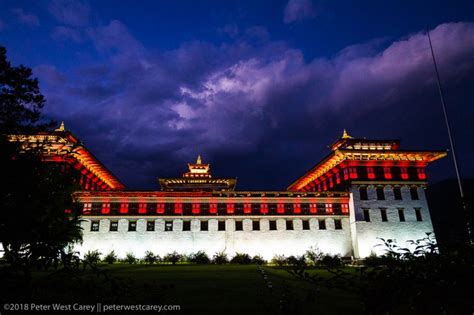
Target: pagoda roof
61,145
363,151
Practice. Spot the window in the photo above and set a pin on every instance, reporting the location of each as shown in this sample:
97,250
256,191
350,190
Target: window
338,178
387,173
289,224
397,193
113,226
404,172
322,224
196,208
256,225
337,224
160,208
296,208
344,208
345,174
247,208
168,226
186,225
87,208
124,208
239,226
414,193
421,173
142,208
366,215
213,208
105,208
280,208
95,226
401,214
352,172
263,208
150,225
178,208
230,208
363,193
328,207
305,225
370,173
204,226
132,226
418,214
383,214
221,226
273,225
380,193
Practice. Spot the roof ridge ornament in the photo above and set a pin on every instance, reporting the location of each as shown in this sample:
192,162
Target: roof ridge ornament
199,160
61,127
345,135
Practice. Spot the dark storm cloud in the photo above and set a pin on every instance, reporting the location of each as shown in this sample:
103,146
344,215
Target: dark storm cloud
250,107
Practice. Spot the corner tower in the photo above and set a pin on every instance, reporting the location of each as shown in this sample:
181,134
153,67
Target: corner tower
386,185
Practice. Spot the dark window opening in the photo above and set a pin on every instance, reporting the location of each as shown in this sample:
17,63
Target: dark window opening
401,215
414,193
383,214
363,193
95,226
186,225
322,224
168,226
204,226
380,193
337,224
132,226
256,225
305,225
289,224
221,225
418,214
273,225
113,226
150,226
239,226
397,193
366,215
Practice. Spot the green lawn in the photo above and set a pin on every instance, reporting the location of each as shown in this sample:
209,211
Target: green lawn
198,289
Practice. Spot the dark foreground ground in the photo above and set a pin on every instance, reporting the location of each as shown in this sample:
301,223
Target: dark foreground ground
206,289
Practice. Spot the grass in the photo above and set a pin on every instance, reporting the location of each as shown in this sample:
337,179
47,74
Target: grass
198,289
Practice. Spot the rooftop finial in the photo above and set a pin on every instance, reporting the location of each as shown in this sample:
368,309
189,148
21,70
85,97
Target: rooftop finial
199,161
61,127
345,135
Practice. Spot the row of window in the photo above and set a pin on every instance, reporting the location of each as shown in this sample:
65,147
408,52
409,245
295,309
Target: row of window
383,214
214,208
370,173
221,226
380,193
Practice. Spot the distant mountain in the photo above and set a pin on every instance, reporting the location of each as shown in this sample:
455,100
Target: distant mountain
447,213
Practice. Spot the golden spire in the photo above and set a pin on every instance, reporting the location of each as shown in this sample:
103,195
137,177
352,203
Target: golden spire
199,161
61,127
345,135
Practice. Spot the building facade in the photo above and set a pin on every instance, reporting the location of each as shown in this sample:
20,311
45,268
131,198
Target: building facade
363,190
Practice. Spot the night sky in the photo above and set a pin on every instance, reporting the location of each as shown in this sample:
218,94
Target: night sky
258,88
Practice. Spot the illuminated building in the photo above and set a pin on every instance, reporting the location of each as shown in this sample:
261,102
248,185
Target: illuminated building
364,189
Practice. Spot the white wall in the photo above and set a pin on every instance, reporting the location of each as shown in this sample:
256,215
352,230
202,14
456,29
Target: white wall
264,242
365,234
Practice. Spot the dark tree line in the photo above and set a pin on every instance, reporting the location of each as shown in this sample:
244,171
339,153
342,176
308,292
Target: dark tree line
38,218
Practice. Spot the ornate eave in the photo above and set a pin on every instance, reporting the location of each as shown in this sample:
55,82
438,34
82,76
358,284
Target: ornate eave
366,157
61,145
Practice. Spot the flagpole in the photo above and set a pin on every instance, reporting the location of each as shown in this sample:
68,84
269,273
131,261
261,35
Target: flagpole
451,142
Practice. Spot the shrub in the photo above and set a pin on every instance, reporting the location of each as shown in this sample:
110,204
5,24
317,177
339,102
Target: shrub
220,258
313,255
241,259
257,259
296,261
331,261
92,257
173,258
150,258
110,258
279,260
130,258
199,257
